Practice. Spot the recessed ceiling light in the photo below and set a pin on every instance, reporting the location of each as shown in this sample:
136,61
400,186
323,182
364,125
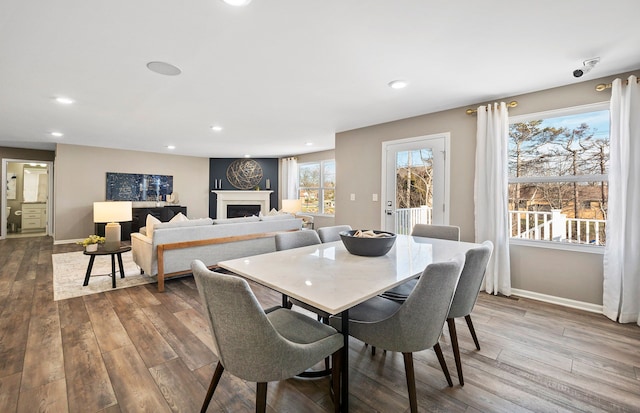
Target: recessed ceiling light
238,3
309,143
247,156
57,134
164,68
64,101
398,84
171,147
216,128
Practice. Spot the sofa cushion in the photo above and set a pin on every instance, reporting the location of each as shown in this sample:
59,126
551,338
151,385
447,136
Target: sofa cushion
187,223
286,215
252,218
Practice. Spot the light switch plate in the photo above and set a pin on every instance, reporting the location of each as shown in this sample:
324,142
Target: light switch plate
353,197
374,197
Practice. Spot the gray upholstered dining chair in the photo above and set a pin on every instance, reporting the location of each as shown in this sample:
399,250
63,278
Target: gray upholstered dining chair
296,239
448,232
466,296
261,347
330,234
414,325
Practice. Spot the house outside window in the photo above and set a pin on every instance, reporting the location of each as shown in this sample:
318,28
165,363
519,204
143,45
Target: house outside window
558,166
317,186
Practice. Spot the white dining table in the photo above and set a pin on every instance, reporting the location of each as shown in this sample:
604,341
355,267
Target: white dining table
328,277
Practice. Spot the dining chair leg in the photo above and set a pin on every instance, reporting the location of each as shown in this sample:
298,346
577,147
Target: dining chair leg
373,350
212,387
336,359
472,330
443,364
456,350
261,397
411,381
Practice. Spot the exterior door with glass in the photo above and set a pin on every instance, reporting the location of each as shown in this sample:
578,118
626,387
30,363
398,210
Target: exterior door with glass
415,182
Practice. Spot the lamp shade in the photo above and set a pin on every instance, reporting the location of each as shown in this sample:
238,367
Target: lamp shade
292,205
112,211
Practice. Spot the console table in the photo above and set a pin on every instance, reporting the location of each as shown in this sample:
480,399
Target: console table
139,219
164,214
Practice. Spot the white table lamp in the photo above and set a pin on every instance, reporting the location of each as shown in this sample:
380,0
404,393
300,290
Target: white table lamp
112,213
292,206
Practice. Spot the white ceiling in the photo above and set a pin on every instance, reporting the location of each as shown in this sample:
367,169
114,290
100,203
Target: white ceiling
279,73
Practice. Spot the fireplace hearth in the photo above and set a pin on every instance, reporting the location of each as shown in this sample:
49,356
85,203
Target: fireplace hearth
238,211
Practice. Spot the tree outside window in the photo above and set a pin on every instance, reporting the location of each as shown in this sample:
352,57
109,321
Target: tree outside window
317,182
558,185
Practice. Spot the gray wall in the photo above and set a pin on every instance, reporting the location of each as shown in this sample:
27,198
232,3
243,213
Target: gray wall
567,274
80,179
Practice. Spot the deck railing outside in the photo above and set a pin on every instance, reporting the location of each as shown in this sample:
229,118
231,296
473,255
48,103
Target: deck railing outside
555,226
547,226
406,218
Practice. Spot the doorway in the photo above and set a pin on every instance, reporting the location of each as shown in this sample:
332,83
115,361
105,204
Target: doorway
415,176
25,198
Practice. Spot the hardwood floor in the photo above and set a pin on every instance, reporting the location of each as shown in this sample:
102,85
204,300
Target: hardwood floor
136,350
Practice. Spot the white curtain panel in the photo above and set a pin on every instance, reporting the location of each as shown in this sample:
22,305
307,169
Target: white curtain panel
289,178
621,289
491,194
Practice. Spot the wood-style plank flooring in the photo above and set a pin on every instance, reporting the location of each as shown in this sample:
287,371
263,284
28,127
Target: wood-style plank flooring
134,350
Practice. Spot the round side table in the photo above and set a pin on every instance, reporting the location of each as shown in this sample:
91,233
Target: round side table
114,253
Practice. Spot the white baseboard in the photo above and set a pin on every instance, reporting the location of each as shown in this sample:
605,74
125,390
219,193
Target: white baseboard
67,241
580,305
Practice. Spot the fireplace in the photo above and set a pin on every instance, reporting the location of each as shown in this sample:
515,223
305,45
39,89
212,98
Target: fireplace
237,211
242,199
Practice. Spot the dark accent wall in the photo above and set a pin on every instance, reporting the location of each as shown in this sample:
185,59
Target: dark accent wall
218,170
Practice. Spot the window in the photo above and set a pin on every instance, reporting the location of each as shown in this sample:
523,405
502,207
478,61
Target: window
558,165
318,186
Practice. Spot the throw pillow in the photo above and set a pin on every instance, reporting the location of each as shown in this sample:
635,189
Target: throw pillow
151,222
179,217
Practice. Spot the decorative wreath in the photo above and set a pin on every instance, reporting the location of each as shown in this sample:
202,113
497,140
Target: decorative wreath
244,173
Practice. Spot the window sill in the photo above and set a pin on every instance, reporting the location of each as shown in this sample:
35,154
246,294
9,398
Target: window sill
318,215
565,246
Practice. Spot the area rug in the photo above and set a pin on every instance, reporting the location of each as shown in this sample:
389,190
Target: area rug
70,268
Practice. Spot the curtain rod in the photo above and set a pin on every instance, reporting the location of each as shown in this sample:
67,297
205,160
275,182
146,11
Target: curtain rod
511,104
605,86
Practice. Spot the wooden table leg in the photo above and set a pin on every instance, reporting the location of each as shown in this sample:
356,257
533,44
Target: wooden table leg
113,271
86,277
120,265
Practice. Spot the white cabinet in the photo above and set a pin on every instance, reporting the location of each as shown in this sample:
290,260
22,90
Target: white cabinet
34,216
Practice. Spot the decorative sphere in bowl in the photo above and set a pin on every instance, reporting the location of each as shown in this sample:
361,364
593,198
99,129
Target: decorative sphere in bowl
368,246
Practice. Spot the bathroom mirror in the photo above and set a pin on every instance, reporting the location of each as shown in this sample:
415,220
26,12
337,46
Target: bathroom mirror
35,183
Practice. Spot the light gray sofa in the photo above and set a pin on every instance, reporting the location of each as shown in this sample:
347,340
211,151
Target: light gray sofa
172,246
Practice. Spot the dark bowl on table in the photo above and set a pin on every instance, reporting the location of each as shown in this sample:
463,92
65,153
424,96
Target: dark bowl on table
368,247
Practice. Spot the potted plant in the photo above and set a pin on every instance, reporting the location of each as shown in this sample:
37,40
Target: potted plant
91,243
